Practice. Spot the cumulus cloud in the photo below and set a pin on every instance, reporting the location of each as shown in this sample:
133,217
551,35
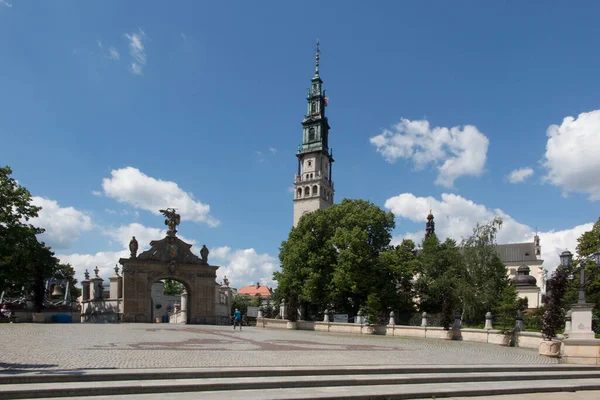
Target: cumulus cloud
456,151
456,216
106,260
63,225
137,51
143,234
129,185
5,3
244,266
520,175
96,193
571,156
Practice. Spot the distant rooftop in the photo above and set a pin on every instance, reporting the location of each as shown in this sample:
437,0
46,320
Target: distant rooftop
256,290
516,252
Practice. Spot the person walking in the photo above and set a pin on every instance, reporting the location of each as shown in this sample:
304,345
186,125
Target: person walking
237,319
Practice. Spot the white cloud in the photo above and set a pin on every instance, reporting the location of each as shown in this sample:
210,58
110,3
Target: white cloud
5,3
109,211
143,234
455,217
129,185
456,151
244,267
113,54
63,225
106,260
96,193
137,51
273,150
520,175
572,153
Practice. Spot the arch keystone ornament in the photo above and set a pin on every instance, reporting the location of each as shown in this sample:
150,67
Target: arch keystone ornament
169,258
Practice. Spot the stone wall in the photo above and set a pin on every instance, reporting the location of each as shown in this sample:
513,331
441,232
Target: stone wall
523,339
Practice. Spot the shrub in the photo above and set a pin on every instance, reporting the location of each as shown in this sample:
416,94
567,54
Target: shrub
554,315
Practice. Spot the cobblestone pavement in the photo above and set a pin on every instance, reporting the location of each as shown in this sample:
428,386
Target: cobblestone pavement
91,346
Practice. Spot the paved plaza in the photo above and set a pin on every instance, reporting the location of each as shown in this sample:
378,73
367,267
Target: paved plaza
97,346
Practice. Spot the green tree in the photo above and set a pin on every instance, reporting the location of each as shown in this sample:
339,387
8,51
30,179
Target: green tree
397,266
241,302
506,307
24,261
66,271
256,301
484,276
587,244
331,259
439,278
173,288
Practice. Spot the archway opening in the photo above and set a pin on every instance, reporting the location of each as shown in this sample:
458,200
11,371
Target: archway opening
170,301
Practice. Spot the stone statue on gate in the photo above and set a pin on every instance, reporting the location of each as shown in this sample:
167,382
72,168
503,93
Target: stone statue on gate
133,247
204,254
172,220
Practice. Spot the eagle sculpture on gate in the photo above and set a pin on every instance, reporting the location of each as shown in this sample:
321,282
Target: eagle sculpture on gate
172,220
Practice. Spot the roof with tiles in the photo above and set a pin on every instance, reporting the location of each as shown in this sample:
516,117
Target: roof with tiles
256,290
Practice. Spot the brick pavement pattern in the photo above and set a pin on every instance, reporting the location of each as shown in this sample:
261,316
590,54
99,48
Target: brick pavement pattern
91,346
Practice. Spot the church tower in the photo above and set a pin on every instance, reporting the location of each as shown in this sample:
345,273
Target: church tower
313,187
429,226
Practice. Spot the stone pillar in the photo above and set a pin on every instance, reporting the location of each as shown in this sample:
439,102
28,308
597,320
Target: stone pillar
581,321
283,309
184,307
519,322
116,286
457,321
326,316
488,321
260,312
424,319
85,290
359,317
96,288
568,322
392,320
581,347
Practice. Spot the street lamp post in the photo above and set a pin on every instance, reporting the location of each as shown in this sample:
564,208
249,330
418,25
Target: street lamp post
566,259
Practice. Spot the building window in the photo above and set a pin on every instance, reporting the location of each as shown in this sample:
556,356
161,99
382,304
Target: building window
311,134
313,107
315,190
299,194
309,163
306,191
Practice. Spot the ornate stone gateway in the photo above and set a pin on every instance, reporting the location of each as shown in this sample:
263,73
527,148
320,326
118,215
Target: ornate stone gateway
168,258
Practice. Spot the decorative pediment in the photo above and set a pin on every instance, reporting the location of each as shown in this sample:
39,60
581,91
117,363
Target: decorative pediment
171,249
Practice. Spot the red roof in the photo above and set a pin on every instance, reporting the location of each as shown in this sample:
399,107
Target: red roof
256,290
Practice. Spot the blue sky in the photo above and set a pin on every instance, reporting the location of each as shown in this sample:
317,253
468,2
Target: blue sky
112,110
